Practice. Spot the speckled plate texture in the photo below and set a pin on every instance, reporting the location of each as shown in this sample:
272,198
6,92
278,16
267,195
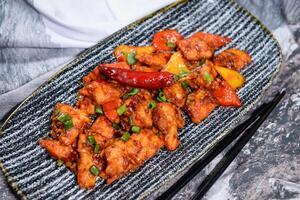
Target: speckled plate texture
33,174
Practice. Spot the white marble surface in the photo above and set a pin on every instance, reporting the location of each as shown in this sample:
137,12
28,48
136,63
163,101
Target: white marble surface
269,165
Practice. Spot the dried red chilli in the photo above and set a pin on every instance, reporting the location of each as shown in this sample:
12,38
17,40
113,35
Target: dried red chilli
148,80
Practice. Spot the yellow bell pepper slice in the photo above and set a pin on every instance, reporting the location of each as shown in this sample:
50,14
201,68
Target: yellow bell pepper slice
232,77
176,65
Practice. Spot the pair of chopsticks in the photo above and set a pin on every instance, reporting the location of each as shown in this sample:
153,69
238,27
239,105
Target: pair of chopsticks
244,131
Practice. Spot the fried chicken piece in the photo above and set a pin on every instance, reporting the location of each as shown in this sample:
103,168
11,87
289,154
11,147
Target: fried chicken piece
199,105
138,107
94,75
101,93
232,59
215,41
79,120
85,178
175,94
202,77
155,60
58,150
194,49
102,130
86,105
124,157
167,119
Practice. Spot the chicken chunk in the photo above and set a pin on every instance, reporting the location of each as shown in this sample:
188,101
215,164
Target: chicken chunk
85,104
167,119
139,111
101,93
199,105
232,59
202,77
194,49
102,130
215,41
67,122
155,60
124,157
59,150
85,178
94,75
176,94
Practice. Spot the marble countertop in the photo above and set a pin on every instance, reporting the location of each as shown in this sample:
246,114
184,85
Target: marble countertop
269,165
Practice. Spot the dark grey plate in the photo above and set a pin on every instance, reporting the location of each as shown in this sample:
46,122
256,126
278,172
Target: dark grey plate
32,172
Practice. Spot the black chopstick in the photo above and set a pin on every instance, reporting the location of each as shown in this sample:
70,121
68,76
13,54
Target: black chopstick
218,148
234,151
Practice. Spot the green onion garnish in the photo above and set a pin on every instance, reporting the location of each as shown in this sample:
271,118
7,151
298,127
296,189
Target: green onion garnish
96,148
94,170
171,45
161,96
122,109
151,104
65,120
99,110
59,163
130,120
135,129
184,84
92,140
132,92
182,74
202,62
116,126
131,58
207,77
125,136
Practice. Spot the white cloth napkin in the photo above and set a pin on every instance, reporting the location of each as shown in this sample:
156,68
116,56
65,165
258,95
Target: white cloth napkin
78,23
60,27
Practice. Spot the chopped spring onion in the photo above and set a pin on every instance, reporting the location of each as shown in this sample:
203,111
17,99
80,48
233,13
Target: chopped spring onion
184,84
151,104
130,120
116,126
122,109
131,58
182,74
125,136
207,77
94,170
59,163
92,140
132,92
99,110
96,148
65,120
135,129
161,96
171,45
202,62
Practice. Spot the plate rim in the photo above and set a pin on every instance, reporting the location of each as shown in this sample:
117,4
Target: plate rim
14,185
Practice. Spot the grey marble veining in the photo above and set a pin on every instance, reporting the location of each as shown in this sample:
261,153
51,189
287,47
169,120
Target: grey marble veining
269,165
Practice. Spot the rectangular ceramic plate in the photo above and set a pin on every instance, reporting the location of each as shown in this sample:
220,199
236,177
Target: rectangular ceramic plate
32,172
